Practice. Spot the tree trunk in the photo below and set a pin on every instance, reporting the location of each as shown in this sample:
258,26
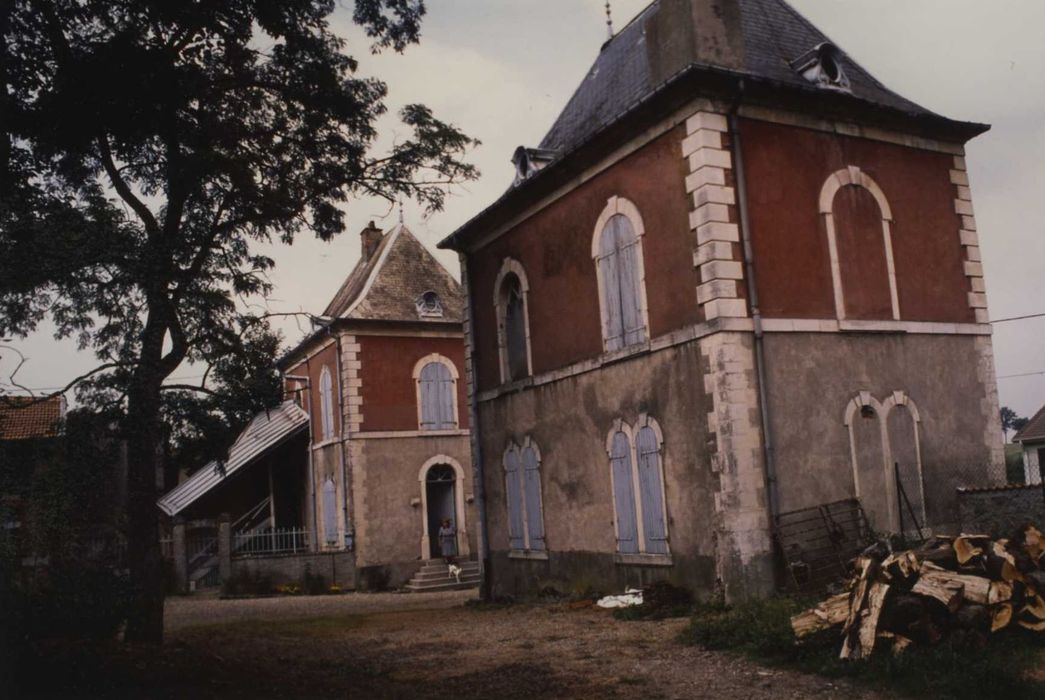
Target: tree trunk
145,618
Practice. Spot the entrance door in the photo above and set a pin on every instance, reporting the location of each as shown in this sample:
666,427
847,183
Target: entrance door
440,494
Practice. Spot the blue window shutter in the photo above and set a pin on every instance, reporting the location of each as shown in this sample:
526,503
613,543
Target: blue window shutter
446,399
513,494
326,403
534,506
634,326
437,397
651,492
330,512
624,495
609,271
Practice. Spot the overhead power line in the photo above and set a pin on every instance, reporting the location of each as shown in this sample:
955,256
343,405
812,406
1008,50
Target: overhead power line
1018,318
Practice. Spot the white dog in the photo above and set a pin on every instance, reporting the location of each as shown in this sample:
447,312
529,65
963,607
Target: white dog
455,571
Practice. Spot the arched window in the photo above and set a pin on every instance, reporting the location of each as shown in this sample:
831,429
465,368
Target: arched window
857,218
637,472
329,512
873,481
513,325
436,379
522,477
326,402
617,250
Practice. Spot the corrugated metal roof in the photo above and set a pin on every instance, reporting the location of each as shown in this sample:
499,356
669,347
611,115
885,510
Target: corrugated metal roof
264,432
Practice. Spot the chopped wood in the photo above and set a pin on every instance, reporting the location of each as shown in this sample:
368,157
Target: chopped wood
999,592
1002,617
1035,606
829,613
869,625
972,616
976,588
947,592
1037,626
965,548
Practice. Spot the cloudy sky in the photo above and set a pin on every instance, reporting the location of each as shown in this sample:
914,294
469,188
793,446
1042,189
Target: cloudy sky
502,69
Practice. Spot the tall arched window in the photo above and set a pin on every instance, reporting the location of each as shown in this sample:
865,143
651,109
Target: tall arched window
637,472
329,512
857,219
436,379
513,325
617,250
522,480
326,402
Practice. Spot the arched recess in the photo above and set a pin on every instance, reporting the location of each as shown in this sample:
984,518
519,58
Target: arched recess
462,528
436,410
637,481
326,402
852,176
903,428
873,481
511,302
627,522
616,248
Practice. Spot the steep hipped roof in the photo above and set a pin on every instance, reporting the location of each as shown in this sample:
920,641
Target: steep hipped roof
1034,430
22,419
266,431
387,286
766,36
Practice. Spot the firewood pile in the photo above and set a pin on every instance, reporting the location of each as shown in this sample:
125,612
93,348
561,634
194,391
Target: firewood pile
968,586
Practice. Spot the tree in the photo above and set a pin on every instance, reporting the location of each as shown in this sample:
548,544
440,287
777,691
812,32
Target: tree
147,147
1010,421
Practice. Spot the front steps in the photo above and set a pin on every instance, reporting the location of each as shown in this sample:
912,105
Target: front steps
434,575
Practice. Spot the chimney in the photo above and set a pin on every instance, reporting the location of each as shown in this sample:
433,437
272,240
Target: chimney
694,31
371,239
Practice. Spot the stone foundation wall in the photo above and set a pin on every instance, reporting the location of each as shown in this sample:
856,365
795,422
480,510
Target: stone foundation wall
335,567
999,511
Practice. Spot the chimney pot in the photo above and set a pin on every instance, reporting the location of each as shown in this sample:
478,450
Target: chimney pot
371,239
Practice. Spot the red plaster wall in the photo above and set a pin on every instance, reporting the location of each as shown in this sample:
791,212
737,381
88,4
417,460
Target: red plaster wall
389,392
313,368
786,168
861,255
554,247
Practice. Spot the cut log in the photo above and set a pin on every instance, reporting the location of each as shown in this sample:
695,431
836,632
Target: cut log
867,567
999,592
868,628
1035,606
901,566
947,592
1037,625
1001,617
976,588
967,546
827,614
1036,580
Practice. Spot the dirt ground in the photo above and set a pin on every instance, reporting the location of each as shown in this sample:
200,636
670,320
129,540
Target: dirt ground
417,646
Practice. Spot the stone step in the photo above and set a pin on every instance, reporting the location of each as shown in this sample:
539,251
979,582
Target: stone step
452,586
444,569
464,566
416,582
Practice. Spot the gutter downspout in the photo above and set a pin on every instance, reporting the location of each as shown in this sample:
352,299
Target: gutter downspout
756,314
479,483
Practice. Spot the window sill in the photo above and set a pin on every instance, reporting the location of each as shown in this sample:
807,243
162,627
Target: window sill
643,559
538,555
610,356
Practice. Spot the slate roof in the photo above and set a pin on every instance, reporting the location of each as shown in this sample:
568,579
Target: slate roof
773,34
1034,430
387,286
21,419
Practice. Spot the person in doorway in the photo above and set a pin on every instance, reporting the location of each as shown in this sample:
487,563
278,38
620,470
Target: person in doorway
448,541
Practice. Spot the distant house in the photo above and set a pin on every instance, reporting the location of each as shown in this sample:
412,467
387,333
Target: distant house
369,452
28,428
737,278
1032,438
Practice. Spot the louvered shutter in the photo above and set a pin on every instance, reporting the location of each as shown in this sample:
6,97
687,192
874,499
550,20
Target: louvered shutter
609,270
445,397
651,492
326,403
624,495
329,512
534,507
513,494
634,327
429,393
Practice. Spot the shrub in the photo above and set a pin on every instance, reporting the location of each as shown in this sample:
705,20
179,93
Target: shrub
247,582
755,626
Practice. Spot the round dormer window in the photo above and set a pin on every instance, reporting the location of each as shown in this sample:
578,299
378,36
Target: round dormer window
429,306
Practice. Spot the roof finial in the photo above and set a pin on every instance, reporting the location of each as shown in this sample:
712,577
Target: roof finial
400,212
609,20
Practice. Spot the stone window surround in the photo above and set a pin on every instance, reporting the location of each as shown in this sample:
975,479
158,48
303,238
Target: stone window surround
882,410
511,266
418,366
525,552
459,500
853,176
326,404
619,205
642,558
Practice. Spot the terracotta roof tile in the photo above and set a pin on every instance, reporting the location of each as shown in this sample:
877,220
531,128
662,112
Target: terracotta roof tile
22,419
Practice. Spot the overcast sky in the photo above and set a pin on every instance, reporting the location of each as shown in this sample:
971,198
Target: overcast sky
502,69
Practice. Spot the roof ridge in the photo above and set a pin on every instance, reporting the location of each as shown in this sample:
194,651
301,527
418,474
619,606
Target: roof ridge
1032,422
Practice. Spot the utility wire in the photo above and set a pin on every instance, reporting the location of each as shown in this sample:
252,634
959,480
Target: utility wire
1018,318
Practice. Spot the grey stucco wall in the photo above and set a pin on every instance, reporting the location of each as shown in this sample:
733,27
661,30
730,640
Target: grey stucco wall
569,420
385,482
998,512
813,376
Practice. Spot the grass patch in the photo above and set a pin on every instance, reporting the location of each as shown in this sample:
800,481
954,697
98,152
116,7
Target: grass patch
762,630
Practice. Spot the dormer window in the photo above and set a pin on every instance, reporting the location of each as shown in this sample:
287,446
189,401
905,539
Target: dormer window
528,161
822,66
429,306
